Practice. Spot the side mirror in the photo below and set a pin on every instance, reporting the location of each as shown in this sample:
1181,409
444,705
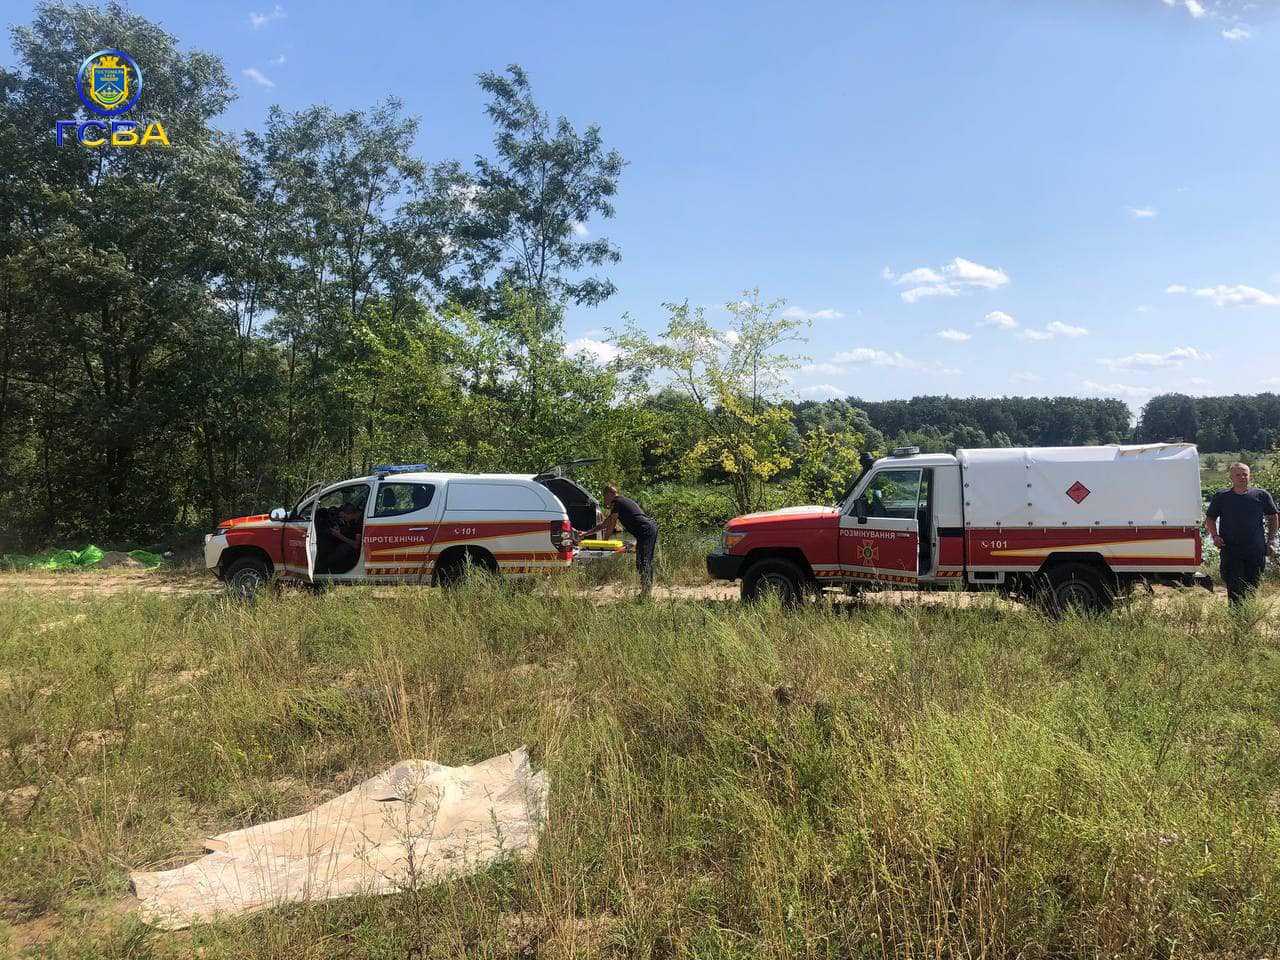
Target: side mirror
279,514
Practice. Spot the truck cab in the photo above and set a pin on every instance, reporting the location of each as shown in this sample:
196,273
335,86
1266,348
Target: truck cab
1074,524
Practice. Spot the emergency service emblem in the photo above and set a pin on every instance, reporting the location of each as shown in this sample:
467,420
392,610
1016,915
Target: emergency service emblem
869,552
109,82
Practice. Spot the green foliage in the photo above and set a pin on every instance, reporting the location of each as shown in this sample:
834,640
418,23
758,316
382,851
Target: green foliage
1215,424
687,508
828,464
729,379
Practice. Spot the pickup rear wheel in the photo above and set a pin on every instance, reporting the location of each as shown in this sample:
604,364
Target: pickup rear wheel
1075,587
245,577
778,577
461,564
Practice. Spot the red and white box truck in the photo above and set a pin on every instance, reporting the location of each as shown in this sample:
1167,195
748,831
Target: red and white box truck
1068,526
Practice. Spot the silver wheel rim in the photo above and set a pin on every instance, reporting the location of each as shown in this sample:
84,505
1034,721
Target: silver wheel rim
247,582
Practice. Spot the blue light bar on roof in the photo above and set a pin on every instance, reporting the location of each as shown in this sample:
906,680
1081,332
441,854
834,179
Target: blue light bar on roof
401,468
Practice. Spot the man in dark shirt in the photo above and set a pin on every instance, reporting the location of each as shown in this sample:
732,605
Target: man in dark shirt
1235,522
636,522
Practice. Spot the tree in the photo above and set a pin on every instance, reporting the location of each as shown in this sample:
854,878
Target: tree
732,376
110,255
520,220
347,196
1169,415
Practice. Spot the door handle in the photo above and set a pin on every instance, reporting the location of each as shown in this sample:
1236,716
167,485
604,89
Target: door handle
862,520
418,529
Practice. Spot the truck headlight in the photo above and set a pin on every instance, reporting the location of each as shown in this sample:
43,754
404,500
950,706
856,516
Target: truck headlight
730,540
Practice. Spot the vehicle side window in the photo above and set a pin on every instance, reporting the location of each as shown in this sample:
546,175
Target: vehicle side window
304,512
891,493
395,499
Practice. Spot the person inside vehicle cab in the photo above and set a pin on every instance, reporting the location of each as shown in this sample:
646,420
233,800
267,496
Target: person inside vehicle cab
339,531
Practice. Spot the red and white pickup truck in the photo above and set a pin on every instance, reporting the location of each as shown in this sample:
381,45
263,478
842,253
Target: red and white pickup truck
1067,526
407,524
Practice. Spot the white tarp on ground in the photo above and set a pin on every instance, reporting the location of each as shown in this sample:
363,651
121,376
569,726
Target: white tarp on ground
415,823
1155,484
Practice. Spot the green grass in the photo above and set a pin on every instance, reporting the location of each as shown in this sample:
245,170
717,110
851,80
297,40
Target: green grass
864,781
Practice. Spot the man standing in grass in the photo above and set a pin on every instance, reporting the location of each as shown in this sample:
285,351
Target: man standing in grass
1235,521
637,523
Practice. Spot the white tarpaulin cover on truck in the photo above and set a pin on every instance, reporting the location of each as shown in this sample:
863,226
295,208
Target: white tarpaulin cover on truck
415,823
1149,485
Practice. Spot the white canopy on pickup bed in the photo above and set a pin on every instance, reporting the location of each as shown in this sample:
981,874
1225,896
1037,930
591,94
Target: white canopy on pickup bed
1149,485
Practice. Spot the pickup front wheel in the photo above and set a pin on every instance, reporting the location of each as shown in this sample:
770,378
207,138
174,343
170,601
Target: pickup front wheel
247,576
780,578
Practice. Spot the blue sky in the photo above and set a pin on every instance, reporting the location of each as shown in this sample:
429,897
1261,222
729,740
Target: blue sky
976,198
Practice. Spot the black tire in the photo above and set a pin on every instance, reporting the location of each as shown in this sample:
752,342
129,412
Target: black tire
1075,587
458,568
781,578
247,576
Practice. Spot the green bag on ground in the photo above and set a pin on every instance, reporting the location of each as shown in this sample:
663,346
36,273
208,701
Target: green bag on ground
54,559
71,559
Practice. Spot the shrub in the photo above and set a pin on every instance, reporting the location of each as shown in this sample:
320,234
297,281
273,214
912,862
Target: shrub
687,509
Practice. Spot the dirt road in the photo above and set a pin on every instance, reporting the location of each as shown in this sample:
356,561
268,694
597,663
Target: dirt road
86,585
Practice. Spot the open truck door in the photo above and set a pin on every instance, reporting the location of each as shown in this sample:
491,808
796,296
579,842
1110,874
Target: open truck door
582,508
880,529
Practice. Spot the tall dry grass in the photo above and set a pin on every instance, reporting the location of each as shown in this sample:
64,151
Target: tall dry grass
852,781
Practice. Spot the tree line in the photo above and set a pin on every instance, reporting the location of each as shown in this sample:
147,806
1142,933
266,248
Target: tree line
1215,424
197,332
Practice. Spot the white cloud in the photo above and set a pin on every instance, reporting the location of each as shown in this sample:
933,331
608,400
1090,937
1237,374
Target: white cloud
956,336
950,280
260,20
1025,376
1198,381
998,318
1055,329
830,369
1271,382
598,349
1238,296
799,313
1067,330
1175,288
731,337
258,77
1127,391
1145,308
822,390
1143,213
1174,359
579,228
860,356
1236,34
277,61
1195,8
